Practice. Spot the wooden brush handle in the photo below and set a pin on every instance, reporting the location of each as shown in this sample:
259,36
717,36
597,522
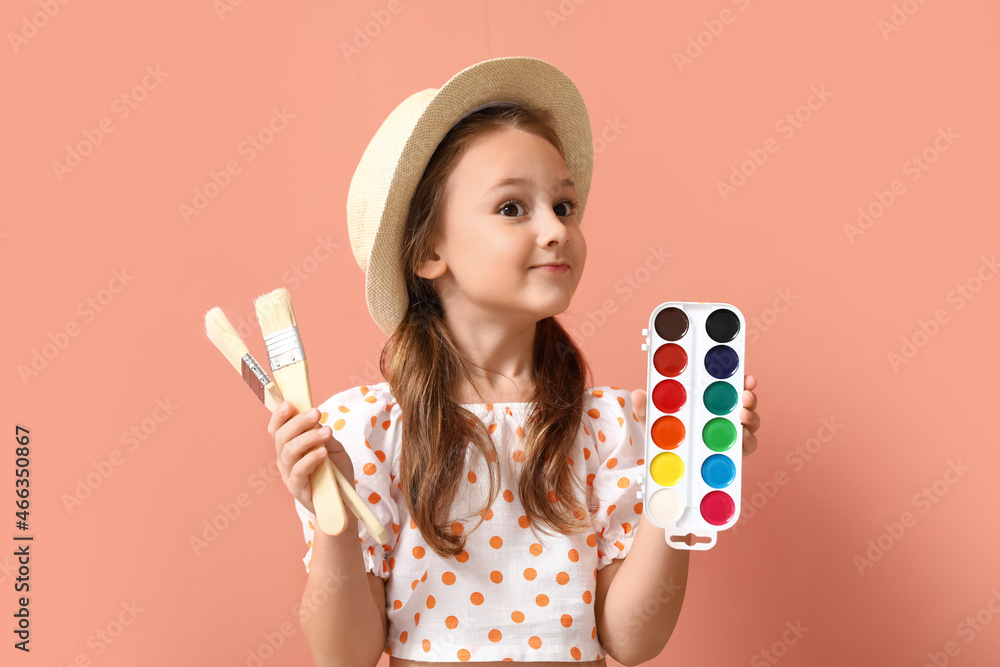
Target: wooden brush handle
360,509
293,380
329,505
272,399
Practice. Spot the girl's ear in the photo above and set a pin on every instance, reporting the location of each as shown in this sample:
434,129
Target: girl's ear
432,268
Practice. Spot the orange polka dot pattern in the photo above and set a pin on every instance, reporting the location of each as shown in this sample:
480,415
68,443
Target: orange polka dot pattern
514,593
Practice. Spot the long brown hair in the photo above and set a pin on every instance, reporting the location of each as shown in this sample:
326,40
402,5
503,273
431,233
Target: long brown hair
422,365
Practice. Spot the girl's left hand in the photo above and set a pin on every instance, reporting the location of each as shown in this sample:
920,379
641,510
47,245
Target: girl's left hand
748,414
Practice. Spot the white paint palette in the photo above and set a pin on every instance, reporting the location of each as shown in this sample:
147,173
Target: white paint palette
694,438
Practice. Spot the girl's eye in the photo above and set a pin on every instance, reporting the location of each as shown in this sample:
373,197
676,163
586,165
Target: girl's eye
570,208
509,205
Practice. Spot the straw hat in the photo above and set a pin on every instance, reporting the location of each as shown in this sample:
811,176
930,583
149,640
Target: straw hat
394,161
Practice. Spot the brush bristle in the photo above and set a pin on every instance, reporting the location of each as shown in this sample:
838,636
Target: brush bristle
224,336
274,311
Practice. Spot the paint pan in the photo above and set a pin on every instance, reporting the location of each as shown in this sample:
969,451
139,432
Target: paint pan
694,438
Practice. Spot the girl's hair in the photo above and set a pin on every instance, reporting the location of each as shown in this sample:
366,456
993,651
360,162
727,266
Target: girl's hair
423,366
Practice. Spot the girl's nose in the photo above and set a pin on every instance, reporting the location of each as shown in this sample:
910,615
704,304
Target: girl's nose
552,228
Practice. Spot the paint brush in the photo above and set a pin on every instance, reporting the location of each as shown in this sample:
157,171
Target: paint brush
288,365
224,336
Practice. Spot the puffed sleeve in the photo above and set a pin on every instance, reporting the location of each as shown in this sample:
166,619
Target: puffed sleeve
364,421
617,436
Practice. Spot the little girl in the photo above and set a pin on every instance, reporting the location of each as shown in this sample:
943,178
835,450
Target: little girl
507,483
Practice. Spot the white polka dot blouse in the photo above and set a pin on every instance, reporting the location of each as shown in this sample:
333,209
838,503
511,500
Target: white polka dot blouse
514,592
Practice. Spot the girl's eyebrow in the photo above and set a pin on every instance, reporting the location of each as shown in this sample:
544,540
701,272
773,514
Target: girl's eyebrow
504,182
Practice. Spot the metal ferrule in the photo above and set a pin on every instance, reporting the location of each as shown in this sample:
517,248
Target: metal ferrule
284,347
254,375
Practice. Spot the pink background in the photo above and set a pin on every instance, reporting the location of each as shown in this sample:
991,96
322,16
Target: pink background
830,308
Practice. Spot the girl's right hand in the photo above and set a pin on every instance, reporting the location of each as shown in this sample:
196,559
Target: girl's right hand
301,448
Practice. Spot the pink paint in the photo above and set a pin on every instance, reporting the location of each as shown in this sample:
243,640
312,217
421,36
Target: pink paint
717,507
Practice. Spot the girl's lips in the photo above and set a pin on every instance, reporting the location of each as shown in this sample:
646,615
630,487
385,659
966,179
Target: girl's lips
561,268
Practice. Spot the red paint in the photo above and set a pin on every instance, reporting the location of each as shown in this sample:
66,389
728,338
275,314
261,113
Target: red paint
670,360
669,396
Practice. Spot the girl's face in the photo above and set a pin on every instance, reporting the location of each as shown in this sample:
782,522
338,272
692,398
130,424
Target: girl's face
509,208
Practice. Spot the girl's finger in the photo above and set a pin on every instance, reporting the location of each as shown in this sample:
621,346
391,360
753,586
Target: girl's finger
299,423
300,446
750,420
298,475
278,417
639,403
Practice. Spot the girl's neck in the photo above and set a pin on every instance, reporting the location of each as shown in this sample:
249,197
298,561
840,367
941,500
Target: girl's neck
504,391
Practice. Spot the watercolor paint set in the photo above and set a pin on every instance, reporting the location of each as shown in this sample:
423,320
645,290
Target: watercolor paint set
694,438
